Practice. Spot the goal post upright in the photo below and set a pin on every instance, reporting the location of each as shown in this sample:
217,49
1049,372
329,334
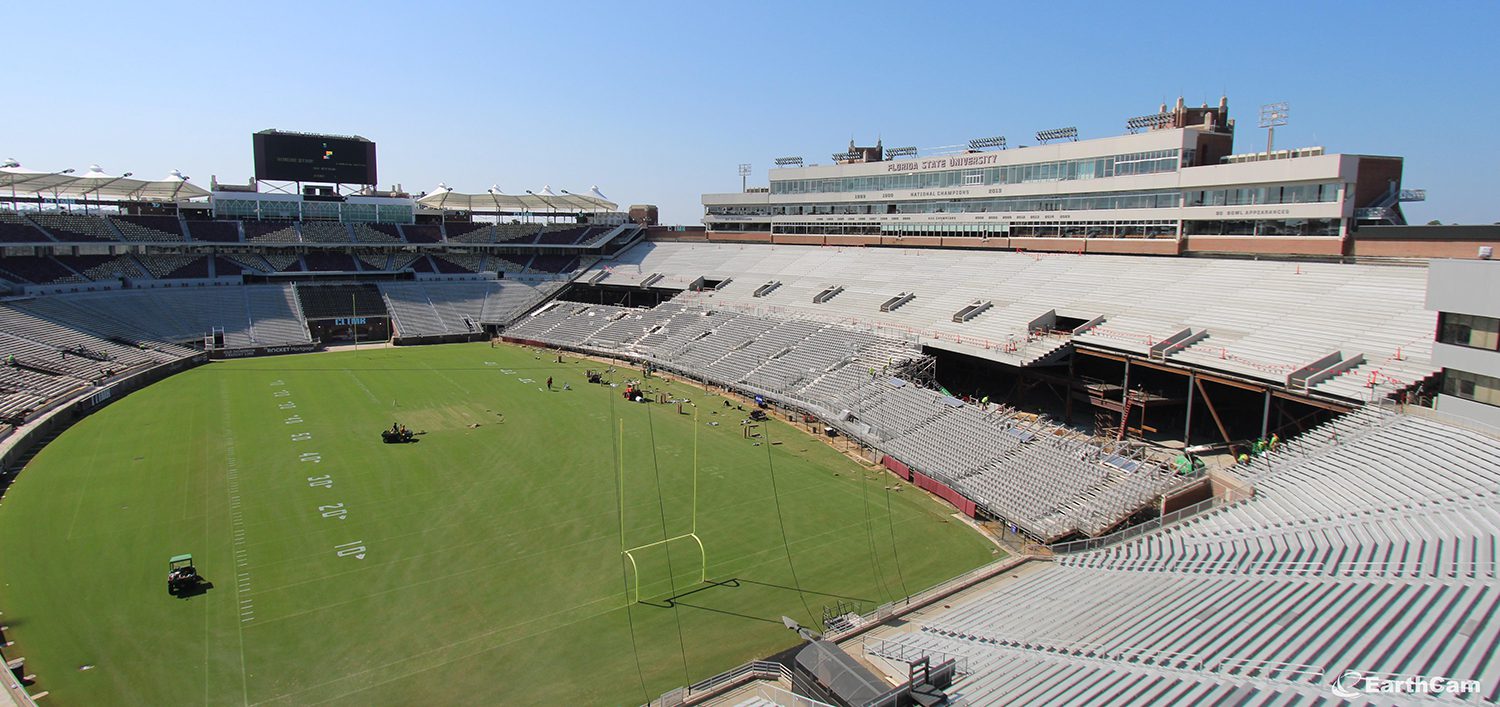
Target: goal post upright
629,552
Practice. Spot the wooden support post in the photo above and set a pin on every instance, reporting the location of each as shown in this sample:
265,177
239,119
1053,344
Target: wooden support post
1068,403
1265,416
1212,412
1187,425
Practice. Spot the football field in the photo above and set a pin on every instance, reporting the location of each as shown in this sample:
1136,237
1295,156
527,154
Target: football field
481,565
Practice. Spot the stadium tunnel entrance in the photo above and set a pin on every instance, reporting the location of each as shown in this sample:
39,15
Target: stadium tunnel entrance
344,312
1167,406
617,295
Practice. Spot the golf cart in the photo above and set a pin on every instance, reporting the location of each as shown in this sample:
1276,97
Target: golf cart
182,576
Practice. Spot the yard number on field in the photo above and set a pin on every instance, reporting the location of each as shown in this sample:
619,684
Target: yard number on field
313,457
301,436
334,510
324,481
355,549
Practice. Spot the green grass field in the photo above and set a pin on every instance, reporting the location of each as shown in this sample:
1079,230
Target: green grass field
480,566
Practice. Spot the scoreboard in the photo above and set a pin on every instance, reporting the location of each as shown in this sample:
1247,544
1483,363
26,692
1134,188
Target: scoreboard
307,157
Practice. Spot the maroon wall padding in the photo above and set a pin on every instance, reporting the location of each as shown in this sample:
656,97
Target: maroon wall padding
895,465
929,484
941,490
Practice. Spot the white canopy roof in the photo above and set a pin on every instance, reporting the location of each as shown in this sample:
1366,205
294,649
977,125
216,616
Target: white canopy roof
544,201
97,184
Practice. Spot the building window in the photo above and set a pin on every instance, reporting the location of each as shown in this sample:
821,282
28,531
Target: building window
1469,330
1472,386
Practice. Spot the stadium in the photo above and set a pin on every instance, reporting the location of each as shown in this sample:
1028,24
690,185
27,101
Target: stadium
1128,419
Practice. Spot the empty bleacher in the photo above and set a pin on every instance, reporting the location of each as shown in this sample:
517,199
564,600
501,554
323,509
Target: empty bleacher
214,231
469,232
377,233
422,233
1261,320
38,270
171,266
329,262
1371,544
149,229
16,229
75,228
325,232
447,308
271,232
327,301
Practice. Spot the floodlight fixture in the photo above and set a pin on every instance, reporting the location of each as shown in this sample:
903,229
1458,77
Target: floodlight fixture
1272,116
1045,136
980,143
744,174
895,152
1148,122
788,161
844,157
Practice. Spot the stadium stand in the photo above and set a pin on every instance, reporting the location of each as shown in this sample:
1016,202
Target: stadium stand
325,301
15,229
448,308
214,231
271,232
1296,313
149,229
75,228
515,232
562,235
554,263
176,266
1370,545
415,233
456,263
377,233
402,261
37,270
225,267
469,232
375,262
281,262
326,232
329,262
104,267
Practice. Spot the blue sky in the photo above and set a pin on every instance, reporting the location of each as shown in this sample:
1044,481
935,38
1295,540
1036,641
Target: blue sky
658,102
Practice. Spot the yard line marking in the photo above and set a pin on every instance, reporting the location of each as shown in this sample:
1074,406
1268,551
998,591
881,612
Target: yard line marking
362,386
237,537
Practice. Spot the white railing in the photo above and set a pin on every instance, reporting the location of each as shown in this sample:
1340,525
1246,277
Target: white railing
895,649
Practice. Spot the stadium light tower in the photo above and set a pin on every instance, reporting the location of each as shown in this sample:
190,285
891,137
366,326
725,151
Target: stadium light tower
744,174
982,143
1271,116
1046,136
788,161
899,152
